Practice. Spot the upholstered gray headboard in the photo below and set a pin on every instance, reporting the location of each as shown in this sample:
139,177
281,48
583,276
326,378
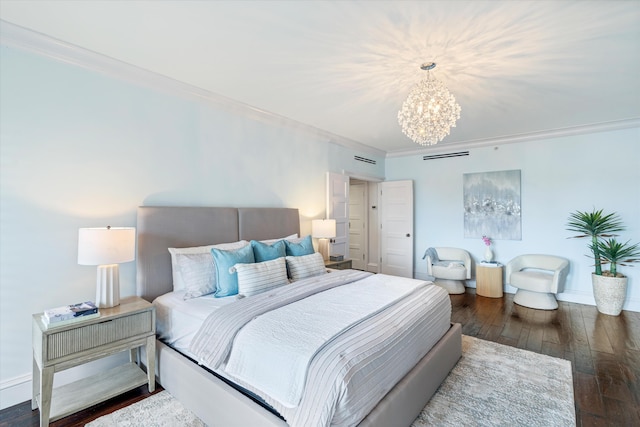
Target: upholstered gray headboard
162,227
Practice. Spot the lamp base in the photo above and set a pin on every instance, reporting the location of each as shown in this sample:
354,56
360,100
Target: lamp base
108,286
323,248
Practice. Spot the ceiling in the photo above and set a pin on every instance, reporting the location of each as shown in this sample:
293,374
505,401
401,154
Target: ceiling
516,68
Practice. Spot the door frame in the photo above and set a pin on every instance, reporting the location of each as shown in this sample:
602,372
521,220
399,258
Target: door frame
370,179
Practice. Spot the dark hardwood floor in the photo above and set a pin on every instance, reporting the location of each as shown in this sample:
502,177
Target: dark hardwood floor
21,415
604,352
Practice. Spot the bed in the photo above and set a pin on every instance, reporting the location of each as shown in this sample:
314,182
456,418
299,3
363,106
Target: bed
215,399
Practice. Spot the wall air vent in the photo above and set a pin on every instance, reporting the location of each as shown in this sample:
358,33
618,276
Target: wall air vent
446,155
364,159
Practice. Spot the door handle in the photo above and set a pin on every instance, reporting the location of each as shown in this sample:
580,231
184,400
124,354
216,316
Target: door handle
408,235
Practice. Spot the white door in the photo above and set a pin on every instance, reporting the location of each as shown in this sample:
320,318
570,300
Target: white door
396,222
373,219
357,225
338,209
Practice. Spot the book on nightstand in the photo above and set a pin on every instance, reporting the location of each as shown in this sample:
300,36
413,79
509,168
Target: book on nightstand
69,321
73,312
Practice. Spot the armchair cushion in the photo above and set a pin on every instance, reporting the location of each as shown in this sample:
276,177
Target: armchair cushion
535,272
532,280
450,270
450,262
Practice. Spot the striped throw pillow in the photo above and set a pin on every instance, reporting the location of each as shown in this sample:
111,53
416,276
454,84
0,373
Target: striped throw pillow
301,267
260,277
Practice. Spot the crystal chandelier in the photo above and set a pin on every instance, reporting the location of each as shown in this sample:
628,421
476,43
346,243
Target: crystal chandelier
429,112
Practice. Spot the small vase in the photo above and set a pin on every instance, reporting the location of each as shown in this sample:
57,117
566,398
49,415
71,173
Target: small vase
488,254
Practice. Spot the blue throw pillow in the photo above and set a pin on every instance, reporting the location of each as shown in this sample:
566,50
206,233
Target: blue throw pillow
227,283
305,247
263,252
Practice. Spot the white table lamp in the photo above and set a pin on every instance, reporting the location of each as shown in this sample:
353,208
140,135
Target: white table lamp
323,230
107,247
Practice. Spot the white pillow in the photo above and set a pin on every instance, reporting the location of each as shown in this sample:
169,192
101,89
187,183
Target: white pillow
272,241
301,267
178,281
198,273
261,276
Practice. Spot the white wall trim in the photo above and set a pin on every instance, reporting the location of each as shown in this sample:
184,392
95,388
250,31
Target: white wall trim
548,134
363,176
12,382
12,35
15,390
576,297
18,389
15,36
579,297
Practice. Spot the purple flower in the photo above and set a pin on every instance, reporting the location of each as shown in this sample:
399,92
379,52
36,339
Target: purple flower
486,240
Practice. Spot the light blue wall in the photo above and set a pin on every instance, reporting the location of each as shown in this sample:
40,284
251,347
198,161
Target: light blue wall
80,149
559,176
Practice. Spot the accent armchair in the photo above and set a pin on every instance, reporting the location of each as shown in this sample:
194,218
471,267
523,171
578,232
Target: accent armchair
538,278
450,267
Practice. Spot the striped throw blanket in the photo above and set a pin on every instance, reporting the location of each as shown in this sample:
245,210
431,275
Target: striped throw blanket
360,357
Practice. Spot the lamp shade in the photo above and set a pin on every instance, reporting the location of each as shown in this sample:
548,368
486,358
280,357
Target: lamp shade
323,228
106,245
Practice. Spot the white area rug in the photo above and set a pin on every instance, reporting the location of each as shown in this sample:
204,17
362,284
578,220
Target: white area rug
159,410
492,385
498,385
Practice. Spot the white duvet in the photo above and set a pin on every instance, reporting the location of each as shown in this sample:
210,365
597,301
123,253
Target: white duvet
280,370
324,351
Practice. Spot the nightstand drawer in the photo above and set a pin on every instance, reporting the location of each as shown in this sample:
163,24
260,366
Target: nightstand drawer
83,338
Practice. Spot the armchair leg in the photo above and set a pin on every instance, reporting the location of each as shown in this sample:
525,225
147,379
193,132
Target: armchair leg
451,286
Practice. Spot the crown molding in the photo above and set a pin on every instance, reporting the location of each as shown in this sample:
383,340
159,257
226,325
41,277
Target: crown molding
15,36
533,136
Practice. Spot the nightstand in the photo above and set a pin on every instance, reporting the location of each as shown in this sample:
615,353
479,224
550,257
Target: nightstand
489,280
128,326
338,265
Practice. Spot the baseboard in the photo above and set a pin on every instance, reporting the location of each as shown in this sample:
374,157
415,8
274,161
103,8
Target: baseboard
587,298
576,297
15,390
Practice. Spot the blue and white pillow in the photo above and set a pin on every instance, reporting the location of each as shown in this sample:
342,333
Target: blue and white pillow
261,277
178,281
301,267
226,281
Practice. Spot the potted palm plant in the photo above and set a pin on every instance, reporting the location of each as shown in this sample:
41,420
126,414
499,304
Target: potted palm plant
609,287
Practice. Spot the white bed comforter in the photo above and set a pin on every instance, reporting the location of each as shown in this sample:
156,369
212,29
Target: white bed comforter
280,370
325,369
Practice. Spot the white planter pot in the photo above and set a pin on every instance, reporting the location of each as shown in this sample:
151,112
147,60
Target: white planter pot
610,293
